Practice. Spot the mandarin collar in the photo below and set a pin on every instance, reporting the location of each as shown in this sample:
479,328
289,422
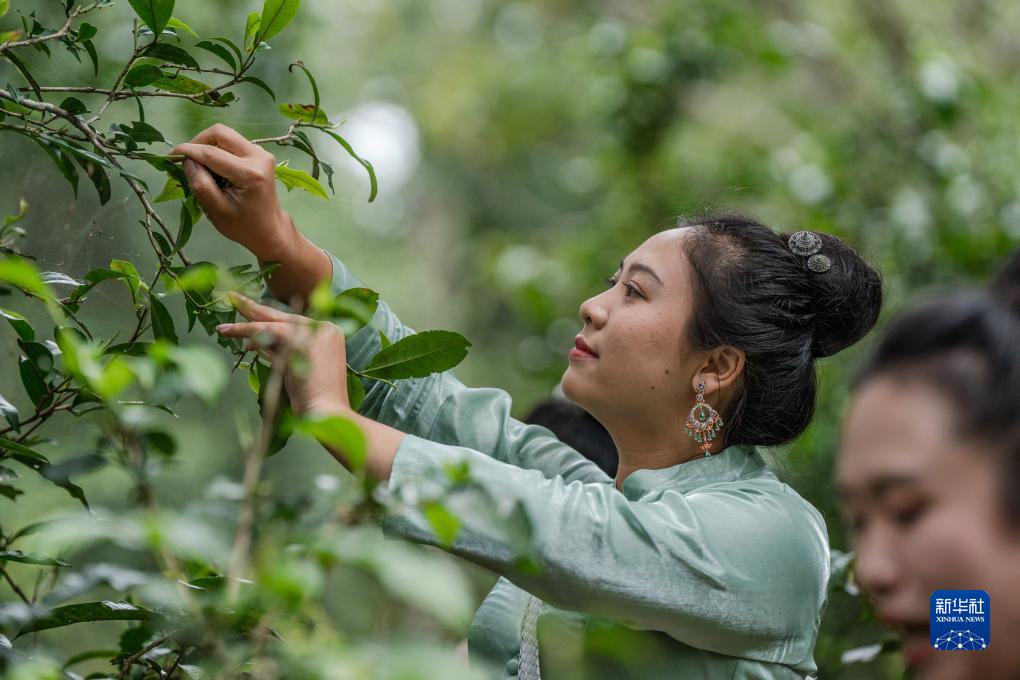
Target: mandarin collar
729,464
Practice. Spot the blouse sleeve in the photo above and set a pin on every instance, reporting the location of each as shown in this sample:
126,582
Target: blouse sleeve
736,568
441,408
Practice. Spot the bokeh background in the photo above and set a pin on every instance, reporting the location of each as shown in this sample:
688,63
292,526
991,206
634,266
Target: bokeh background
523,148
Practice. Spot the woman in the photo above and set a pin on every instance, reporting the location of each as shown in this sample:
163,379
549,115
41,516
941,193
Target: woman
929,474
696,557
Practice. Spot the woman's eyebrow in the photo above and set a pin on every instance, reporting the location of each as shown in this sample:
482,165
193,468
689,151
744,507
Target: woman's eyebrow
639,267
879,487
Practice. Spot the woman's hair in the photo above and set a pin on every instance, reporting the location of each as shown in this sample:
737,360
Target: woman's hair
576,427
751,292
967,347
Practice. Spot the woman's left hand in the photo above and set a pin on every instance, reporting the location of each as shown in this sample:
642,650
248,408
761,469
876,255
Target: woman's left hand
316,374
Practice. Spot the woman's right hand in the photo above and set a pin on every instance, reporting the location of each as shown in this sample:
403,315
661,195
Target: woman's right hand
248,210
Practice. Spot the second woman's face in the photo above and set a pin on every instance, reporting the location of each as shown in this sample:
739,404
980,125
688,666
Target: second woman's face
925,511
636,330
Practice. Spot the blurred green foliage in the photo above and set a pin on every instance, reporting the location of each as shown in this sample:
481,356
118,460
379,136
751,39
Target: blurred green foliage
523,148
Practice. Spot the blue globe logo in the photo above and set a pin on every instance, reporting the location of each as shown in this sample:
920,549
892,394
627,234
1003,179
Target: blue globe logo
960,639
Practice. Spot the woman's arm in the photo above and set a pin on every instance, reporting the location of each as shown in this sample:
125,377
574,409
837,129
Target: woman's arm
738,568
248,212
440,407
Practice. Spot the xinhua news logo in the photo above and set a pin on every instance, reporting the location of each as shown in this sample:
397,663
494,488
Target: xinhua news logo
959,620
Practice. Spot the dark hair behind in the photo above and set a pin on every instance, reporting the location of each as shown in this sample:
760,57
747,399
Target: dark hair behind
968,348
579,429
751,292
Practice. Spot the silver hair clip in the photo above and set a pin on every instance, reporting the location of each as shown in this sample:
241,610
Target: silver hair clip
807,244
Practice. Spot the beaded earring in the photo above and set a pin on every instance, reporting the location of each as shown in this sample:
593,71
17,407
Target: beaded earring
703,422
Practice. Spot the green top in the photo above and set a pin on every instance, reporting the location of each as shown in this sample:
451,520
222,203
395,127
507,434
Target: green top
712,568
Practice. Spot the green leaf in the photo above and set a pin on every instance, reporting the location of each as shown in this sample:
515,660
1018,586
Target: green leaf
180,25
40,356
220,51
384,342
418,355
233,47
27,558
374,183
202,370
19,323
162,322
60,474
311,80
9,412
130,276
339,433
74,106
306,113
87,612
4,6
251,30
259,83
276,14
355,390
22,211
95,277
142,75
171,191
63,162
143,133
134,349
33,381
18,64
90,48
442,521
20,273
352,309
86,31
180,84
172,54
89,655
300,179
96,173
21,451
154,13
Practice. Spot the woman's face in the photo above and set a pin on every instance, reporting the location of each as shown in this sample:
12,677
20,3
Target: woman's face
637,330
926,516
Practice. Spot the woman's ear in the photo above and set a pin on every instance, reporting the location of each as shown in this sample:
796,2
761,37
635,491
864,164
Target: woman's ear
723,367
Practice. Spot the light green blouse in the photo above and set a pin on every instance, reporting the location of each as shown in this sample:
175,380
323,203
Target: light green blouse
712,568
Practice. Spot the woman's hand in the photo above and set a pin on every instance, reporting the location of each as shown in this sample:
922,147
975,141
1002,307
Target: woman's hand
248,210
316,373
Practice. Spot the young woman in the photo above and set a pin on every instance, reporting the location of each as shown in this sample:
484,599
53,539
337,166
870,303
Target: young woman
696,561
929,474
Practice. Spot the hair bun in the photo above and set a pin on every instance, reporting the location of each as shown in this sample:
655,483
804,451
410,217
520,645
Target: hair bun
847,297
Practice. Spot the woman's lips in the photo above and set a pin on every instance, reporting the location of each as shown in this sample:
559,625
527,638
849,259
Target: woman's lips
581,350
917,649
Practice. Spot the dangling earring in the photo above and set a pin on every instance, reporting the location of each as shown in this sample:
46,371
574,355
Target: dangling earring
703,422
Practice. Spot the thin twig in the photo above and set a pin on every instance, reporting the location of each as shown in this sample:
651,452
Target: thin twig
9,45
125,665
15,588
252,470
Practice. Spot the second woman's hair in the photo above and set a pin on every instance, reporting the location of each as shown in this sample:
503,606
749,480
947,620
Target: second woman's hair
966,347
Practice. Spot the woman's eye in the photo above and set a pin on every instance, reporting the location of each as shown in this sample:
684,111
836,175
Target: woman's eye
629,290
907,516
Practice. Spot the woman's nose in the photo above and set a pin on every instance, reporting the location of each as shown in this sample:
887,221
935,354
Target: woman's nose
593,312
876,569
